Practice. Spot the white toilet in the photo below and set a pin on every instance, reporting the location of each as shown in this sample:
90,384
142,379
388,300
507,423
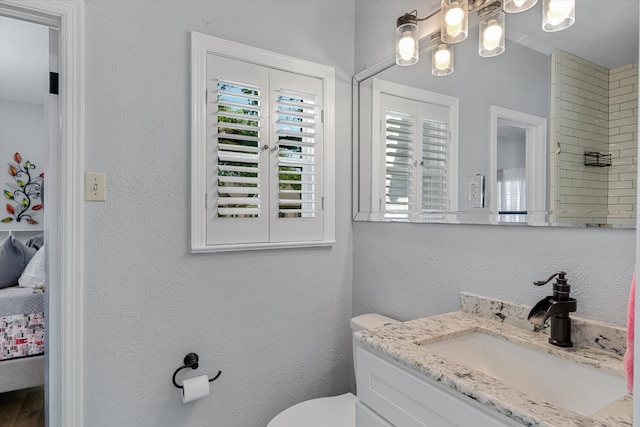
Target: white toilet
334,411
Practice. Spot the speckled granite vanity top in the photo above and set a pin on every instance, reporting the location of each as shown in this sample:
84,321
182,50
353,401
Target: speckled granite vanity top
402,343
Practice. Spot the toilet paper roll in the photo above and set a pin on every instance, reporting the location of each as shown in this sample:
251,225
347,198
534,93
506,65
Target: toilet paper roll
195,388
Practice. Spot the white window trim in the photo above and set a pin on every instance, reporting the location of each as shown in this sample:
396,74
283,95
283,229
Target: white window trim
421,95
201,45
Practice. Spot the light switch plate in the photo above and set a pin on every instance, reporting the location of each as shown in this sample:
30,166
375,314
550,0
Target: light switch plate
95,186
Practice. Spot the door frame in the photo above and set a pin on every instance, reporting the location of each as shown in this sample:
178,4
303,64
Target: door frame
536,161
64,216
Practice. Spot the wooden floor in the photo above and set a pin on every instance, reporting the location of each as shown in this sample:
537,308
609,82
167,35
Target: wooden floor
22,408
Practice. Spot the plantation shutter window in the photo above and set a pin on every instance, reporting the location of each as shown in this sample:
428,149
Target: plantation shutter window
237,160
238,151
399,159
262,149
435,147
416,141
297,168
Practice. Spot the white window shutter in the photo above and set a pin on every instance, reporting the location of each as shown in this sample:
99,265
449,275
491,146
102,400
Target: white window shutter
297,157
399,133
416,140
262,149
435,157
237,160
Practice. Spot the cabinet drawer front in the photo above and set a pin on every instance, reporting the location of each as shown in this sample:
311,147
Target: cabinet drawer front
365,417
407,400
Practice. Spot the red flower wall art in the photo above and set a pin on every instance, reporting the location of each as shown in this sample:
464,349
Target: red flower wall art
24,196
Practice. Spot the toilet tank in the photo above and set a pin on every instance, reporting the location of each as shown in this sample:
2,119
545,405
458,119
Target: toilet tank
368,321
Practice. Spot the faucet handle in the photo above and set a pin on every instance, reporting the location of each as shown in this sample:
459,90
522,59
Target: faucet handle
560,275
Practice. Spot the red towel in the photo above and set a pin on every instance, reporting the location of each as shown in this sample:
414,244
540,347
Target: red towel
628,355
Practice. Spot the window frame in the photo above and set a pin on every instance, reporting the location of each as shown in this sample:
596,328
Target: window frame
201,46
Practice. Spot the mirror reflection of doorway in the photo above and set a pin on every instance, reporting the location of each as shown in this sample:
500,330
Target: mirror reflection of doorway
27,54
511,193
518,164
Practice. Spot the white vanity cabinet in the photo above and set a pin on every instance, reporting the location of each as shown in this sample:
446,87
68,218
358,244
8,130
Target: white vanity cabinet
391,395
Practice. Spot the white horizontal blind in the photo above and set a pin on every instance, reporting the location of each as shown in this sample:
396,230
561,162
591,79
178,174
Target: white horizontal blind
237,161
262,149
298,164
296,122
434,164
416,157
399,159
238,149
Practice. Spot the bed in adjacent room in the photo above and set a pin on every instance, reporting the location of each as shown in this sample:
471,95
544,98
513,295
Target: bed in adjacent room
22,323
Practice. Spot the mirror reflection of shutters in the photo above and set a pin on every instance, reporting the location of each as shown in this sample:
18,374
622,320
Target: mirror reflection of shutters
416,156
399,159
434,165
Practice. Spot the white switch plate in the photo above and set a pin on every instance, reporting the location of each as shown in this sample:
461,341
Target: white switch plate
95,186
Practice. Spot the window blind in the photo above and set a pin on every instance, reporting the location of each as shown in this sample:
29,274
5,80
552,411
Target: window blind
297,175
239,141
399,143
434,165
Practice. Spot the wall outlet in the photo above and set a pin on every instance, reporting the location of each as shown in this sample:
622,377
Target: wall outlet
475,191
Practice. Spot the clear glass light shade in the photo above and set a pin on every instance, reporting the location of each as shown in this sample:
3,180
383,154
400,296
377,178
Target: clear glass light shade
515,6
454,20
558,14
407,44
442,60
491,35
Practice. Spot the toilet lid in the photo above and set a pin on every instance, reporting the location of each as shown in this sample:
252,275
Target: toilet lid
335,411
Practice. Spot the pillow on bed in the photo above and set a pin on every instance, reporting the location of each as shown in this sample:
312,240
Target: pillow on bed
14,257
35,241
34,273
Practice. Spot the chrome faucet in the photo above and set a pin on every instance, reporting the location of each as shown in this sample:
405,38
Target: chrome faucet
558,306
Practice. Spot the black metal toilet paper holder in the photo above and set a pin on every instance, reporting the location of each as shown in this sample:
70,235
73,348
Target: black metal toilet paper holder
191,361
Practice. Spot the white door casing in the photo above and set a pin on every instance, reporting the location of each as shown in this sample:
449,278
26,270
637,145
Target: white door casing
64,215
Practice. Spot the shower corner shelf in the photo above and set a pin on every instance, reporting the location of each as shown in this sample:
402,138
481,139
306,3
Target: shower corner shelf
594,158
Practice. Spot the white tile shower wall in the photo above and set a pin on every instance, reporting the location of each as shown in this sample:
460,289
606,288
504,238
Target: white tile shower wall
580,93
592,109
623,137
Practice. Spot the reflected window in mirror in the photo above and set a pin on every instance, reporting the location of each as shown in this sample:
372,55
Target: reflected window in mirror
416,155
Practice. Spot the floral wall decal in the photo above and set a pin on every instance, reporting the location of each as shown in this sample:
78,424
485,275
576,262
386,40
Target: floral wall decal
25,194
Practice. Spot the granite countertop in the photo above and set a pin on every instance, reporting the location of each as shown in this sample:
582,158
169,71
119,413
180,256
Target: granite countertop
401,342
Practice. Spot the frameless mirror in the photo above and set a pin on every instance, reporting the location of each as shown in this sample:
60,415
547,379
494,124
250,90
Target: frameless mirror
543,134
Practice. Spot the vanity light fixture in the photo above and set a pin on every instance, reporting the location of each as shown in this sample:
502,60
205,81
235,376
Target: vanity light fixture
491,26
407,39
516,6
454,20
454,28
442,60
558,14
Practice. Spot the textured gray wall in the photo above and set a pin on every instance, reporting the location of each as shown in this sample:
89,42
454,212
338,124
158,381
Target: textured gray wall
408,271
415,270
275,322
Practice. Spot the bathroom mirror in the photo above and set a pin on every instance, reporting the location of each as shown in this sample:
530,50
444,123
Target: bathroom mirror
578,87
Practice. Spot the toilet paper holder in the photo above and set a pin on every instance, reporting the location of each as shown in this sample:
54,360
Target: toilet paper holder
191,361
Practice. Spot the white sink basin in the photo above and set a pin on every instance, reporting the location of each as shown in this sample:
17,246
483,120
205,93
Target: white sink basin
580,388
